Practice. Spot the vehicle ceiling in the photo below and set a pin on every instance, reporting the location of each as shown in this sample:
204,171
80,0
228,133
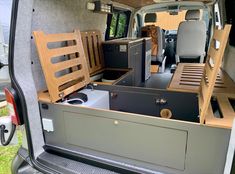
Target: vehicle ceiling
142,3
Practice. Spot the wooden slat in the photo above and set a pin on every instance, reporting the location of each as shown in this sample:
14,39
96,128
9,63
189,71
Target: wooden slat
225,107
63,85
93,49
66,64
178,79
228,114
206,89
208,71
96,46
68,77
57,52
218,35
91,52
60,37
213,53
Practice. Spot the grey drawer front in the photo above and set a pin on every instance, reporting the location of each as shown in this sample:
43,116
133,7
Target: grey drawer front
123,138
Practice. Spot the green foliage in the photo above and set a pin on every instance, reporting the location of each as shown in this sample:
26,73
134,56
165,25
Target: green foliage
118,25
3,112
121,25
113,25
7,154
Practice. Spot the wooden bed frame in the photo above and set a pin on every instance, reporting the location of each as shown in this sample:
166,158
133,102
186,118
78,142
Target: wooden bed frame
92,44
59,86
209,80
211,69
188,76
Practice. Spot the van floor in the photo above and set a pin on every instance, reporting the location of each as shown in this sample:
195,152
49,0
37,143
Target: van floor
159,80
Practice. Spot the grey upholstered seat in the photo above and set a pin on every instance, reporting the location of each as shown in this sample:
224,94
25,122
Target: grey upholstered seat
191,39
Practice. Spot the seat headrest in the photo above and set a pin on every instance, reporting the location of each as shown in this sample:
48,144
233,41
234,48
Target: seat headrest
150,17
192,15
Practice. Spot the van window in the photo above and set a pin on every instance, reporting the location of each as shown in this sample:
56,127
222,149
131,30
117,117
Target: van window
117,24
5,16
170,22
167,21
230,6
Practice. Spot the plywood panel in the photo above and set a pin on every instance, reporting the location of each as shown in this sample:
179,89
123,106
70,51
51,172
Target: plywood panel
226,110
61,84
207,86
187,78
92,43
212,78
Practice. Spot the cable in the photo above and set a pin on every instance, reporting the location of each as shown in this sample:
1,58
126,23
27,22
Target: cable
2,134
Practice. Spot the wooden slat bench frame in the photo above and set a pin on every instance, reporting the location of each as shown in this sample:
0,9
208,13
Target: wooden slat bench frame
226,110
211,69
92,44
209,80
65,84
187,78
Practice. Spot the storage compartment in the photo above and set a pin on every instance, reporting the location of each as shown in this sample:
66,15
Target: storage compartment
160,151
133,139
109,76
151,102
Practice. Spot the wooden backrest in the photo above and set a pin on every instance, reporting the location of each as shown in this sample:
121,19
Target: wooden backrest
92,44
60,79
211,69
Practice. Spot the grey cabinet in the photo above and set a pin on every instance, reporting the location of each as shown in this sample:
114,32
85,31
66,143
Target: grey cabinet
125,53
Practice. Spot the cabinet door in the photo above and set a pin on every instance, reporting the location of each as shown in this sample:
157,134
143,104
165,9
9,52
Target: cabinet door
116,55
135,102
149,144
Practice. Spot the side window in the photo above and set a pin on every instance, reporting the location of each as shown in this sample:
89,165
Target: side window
117,24
5,16
230,6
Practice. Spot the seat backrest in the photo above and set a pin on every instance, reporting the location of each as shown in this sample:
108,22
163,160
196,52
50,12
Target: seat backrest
191,39
161,41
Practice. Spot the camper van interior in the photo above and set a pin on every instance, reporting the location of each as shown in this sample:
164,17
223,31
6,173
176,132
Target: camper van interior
171,52
140,84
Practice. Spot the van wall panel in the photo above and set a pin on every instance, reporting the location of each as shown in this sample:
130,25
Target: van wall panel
58,16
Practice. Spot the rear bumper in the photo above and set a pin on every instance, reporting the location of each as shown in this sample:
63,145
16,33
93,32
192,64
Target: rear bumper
21,163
